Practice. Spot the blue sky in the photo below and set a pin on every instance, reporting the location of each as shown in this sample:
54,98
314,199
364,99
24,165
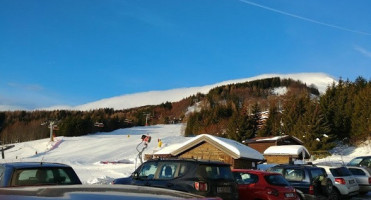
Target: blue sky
71,52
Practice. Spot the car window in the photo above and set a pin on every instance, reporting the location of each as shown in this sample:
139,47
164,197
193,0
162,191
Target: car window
366,162
277,170
341,171
294,174
355,161
245,178
357,172
1,173
167,171
43,176
182,169
148,170
215,172
276,180
316,172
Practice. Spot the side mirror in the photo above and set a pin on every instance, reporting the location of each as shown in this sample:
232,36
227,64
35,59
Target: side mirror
135,175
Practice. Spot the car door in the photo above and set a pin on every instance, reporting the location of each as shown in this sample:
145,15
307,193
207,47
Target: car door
165,175
247,185
296,177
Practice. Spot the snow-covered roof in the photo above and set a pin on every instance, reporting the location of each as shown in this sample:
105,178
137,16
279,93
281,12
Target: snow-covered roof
294,150
168,149
275,138
231,147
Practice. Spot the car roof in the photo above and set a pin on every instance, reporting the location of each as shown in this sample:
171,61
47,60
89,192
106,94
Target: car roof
21,165
295,166
252,171
362,157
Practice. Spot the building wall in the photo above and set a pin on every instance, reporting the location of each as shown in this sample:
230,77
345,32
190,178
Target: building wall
274,159
261,147
244,164
206,151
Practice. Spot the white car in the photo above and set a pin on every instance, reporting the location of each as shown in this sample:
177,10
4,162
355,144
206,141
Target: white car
345,185
363,177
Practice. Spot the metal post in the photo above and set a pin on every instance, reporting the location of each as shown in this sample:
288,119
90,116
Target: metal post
51,130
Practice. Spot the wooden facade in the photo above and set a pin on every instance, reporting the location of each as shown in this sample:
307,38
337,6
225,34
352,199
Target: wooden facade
278,159
206,151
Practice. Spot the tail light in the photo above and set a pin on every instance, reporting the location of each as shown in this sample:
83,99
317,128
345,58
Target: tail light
272,191
201,186
311,190
340,181
369,180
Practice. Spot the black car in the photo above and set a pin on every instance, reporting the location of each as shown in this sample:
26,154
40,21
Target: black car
206,178
310,182
36,173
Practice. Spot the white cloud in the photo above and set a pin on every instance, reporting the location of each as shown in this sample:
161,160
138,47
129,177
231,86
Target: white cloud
363,51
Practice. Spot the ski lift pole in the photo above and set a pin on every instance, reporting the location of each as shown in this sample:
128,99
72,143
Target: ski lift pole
145,139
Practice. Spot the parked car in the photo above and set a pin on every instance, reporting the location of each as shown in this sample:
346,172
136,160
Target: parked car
362,161
206,178
363,177
36,173
310,182
256,184
345,184
94,192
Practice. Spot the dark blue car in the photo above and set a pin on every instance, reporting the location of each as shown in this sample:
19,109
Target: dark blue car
36,173
206,178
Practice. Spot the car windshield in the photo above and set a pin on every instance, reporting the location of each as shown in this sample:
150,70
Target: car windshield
215,172
341,171
355,161
276,180
44,176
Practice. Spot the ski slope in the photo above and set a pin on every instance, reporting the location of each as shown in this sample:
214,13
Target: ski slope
85,153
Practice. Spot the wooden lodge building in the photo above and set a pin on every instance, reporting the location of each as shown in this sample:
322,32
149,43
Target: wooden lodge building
208,147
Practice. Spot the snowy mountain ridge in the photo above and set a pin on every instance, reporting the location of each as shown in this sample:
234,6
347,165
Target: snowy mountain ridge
319,80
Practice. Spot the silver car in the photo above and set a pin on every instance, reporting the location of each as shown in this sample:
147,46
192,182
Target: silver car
363,177
345,184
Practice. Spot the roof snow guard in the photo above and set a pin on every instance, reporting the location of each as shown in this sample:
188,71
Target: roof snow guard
234,149
292,150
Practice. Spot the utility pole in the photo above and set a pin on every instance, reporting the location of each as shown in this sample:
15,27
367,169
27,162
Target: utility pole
147,117
51,125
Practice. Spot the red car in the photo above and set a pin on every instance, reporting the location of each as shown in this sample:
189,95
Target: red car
255,184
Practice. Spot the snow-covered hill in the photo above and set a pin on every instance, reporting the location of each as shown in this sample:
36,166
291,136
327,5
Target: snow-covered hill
84,153
320,80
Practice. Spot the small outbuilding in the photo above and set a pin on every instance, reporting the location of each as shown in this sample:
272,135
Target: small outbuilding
262,143
286,154
208,147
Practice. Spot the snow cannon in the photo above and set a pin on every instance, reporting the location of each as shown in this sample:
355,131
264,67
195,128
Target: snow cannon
146,138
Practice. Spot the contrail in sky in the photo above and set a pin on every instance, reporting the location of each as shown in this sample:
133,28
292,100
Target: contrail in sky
304,18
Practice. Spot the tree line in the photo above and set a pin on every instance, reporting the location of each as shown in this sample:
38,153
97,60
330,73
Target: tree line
244,111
